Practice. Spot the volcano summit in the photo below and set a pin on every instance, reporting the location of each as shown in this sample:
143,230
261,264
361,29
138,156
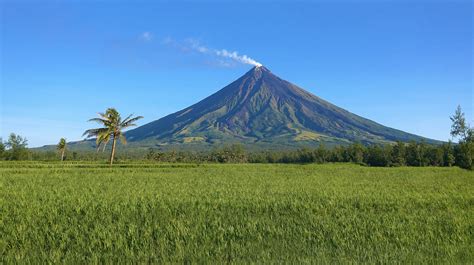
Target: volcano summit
261,109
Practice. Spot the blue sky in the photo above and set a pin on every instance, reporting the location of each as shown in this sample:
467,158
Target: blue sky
404,64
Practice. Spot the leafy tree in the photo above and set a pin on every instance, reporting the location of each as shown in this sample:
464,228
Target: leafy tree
379,155
234,153
321,154
337,154
172,156
150,154
448,154
464,152
16,147
272,157
2,149
355,153
61,147
305,155
435,156
459,128
399,154
415,154
464,155
113,127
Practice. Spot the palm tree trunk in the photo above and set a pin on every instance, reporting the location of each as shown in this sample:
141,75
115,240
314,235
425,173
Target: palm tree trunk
113,151
62,155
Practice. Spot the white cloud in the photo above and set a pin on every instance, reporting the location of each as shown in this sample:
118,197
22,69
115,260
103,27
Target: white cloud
167,41
146,36
196,45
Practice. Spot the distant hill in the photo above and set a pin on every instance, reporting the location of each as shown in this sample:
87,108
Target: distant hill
261,110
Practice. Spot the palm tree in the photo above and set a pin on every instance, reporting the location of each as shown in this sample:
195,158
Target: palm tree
62,147
113,126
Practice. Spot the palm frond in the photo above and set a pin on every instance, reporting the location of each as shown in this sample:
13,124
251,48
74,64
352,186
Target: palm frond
90,133
95,132
128,117
103,145
104,137
129,122
130,125
99,120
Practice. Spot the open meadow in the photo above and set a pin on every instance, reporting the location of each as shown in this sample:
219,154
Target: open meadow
219,213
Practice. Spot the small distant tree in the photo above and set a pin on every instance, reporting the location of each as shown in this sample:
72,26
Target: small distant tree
435,155
113,127
414,154
2,149
448,154
399,154
61,147
304,155
16,147
321,154
272,157
338,154
234,153
172,156
355,153
150,155
464,151
379,155
238,153
459,127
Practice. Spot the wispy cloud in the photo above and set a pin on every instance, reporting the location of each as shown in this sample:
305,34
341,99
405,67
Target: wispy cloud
146,36
195,45
167,40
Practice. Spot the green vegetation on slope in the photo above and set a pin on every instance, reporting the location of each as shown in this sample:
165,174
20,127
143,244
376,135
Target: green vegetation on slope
86,212
262,110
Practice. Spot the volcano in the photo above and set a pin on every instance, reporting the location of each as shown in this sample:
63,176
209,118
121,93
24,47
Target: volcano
261,109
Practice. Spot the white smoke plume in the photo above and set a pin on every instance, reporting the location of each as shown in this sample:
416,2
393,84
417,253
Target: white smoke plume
233,55
239,58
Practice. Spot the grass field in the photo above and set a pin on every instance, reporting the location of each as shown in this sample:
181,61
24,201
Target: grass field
89,213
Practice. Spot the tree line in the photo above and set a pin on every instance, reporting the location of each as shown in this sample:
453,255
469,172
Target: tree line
399,154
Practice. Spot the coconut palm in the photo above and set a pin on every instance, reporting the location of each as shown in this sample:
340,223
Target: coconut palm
112,130
62,147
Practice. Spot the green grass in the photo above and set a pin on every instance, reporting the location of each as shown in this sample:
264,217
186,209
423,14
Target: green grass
89,213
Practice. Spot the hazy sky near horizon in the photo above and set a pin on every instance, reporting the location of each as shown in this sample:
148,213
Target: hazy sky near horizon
404,64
